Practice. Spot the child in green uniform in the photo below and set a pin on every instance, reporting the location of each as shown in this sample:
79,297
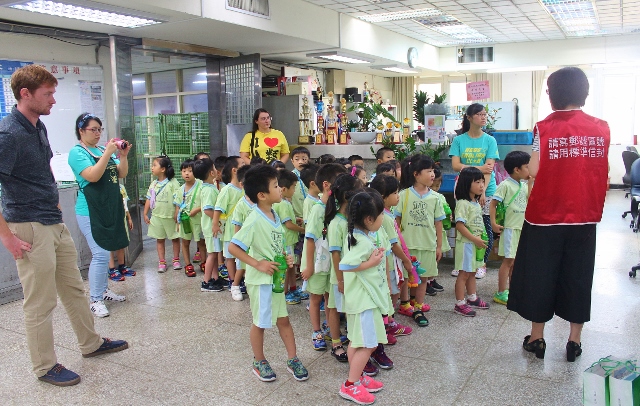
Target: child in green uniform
513,194
219,165
229,196
419,213
299,158
204,170
469,227
257,244
162,223
287,181
187,199
434,286
315,273
364,271
242,210
335,222
308,176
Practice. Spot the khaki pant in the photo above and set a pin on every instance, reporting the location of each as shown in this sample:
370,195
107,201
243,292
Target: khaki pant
51,270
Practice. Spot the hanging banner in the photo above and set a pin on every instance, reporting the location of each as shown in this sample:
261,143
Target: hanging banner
478,90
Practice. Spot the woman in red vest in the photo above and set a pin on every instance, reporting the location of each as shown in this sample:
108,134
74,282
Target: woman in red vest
553,270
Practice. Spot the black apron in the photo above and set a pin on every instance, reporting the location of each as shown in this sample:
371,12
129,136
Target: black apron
106,211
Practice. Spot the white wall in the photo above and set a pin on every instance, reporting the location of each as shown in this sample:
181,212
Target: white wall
23,47
379,83
518,85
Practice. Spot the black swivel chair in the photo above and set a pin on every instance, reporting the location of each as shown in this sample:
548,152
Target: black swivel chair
628,158
635,200
632,148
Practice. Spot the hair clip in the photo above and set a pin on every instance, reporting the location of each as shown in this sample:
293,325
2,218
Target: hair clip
353,170
83,120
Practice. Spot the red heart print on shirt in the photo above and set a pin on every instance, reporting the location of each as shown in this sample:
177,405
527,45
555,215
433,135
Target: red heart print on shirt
271,142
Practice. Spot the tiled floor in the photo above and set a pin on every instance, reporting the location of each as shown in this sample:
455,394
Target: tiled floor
189,347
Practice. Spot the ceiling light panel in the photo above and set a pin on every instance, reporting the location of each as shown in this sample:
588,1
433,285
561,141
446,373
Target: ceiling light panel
88,14
575,17
400,15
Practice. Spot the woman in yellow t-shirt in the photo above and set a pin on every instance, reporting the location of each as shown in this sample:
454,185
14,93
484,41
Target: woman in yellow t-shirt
264,141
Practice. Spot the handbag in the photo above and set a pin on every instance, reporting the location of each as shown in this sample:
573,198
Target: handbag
184,217
501,209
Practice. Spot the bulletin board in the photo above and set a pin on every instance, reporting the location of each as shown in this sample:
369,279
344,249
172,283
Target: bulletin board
80,89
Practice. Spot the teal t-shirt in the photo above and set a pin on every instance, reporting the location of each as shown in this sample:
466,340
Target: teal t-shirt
475,152
79,160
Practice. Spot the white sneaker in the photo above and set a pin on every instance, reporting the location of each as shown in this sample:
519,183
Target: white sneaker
99,309
481,272
236,294
111,295
455,272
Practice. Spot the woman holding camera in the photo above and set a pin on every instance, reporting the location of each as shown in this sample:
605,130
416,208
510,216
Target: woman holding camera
99,208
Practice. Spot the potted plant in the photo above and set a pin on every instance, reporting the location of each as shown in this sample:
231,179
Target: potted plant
420,99
491,118
370,114
438,107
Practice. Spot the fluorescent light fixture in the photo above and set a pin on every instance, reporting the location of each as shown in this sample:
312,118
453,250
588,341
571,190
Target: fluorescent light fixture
88,14
339,56
199,82
577,18
400,15
395,68
137,82
452,27
519,69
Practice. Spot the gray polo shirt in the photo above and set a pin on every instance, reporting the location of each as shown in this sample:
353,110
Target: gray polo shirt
29,190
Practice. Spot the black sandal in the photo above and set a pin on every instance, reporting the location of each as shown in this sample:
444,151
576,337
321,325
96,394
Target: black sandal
538,346
340,357
573,350
419,318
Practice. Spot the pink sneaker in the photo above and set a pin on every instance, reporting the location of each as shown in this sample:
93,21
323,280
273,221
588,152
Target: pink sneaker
478,303
464,310
398,329
370,384
357,393
176,264
391,339
162,267
406,310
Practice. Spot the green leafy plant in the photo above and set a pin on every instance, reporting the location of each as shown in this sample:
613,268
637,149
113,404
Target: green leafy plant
370,115
420,98
433,150
439,99
352,125
491,116
401,151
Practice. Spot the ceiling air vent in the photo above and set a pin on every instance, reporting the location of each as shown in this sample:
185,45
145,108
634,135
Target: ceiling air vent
475,55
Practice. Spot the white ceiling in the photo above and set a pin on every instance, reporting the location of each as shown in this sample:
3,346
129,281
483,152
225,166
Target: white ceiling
502,20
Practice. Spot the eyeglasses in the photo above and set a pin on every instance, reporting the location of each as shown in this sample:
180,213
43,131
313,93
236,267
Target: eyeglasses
95,130
481,114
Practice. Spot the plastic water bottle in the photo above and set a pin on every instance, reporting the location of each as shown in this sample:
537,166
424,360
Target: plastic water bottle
480,251
279,275
446,223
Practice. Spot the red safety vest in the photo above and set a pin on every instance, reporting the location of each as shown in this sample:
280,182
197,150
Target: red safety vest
571,184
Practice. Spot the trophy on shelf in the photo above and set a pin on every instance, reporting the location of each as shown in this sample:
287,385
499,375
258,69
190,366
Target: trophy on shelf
305,122
320,108
332,121
397,136
379,133
388,130
344,134
406,126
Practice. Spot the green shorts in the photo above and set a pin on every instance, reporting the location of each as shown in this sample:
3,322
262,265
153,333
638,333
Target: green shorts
161,228
336,299
196,232
213,244
318,283
509,239
427,261
366,329
266,307
466,257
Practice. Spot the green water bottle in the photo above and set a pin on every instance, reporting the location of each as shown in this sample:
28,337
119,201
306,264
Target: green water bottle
446,223
280,273
480,251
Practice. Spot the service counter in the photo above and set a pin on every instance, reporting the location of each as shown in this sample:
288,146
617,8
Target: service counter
10,288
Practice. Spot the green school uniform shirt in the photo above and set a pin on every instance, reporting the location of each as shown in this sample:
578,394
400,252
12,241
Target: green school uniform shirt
306,206
262,238
286,213
419,214
445,243
227,200
164,191
313,229
336,234
514,216
365,289
470,213
180,197
388,225
241,212
208,197
299,194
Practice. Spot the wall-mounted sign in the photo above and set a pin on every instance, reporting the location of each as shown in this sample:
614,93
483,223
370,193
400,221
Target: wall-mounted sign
478,90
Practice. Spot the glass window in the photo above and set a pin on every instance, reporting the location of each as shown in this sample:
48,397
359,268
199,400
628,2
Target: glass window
431,89
165,105
140,107
139,85
617,107
195,103
194,79
458,94
163,82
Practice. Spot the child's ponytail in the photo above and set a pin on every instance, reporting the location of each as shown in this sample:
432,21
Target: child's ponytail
411,165
341,190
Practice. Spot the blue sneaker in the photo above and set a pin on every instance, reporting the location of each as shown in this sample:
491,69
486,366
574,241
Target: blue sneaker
303,295
291,298
108,346
263,371
298,370
222,271
60,376
243,288
326,330
115,275
321,306
318,341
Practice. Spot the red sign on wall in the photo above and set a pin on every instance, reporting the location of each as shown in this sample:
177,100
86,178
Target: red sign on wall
478,90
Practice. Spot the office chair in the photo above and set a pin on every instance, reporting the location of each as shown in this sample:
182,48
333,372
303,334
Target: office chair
632,148
628,158
635,195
